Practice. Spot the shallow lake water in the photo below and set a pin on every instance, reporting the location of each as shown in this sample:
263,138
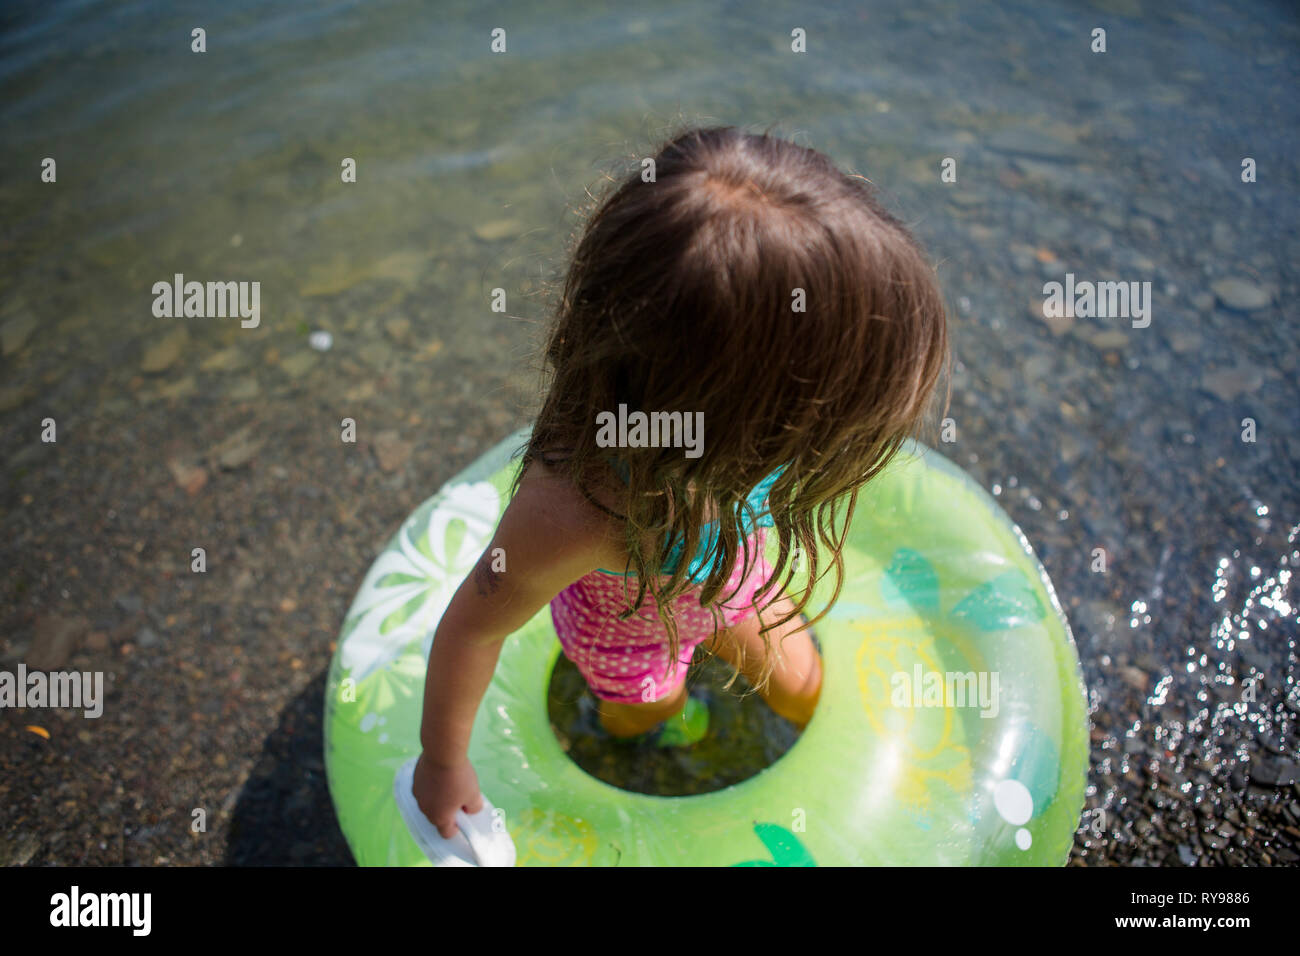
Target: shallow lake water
472,173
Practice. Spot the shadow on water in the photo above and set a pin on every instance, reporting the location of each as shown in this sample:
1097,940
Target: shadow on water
284,815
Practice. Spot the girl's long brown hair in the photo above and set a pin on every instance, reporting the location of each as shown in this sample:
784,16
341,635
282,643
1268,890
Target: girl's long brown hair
682,296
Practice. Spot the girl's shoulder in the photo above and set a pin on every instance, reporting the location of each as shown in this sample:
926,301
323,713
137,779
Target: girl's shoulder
557,510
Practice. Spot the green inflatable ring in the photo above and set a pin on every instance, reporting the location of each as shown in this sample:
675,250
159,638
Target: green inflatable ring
938,582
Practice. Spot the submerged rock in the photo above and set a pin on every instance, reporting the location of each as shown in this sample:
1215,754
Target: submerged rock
188,475
164,353
178,389
1242,294
298,364
391,450
55,640
498,229
1059,324
222,361
243,389
398,329
237,449
1273,771
1109,339
1228,383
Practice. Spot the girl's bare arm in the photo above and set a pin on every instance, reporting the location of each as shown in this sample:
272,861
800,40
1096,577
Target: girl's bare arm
549,537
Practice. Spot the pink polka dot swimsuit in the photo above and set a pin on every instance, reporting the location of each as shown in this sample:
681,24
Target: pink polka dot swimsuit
627,661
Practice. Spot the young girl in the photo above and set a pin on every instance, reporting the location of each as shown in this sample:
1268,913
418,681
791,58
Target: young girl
743,284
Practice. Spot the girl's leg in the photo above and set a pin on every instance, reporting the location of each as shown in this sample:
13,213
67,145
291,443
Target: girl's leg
796,680
628,720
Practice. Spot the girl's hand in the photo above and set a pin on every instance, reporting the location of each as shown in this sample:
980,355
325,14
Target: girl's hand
440,790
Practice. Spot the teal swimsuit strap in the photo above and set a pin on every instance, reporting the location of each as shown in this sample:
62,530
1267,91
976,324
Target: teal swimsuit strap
757,500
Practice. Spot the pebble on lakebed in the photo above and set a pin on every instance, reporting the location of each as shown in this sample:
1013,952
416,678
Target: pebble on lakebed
1242,295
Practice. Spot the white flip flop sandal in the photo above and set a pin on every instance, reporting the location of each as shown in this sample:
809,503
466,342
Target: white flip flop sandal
475,842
